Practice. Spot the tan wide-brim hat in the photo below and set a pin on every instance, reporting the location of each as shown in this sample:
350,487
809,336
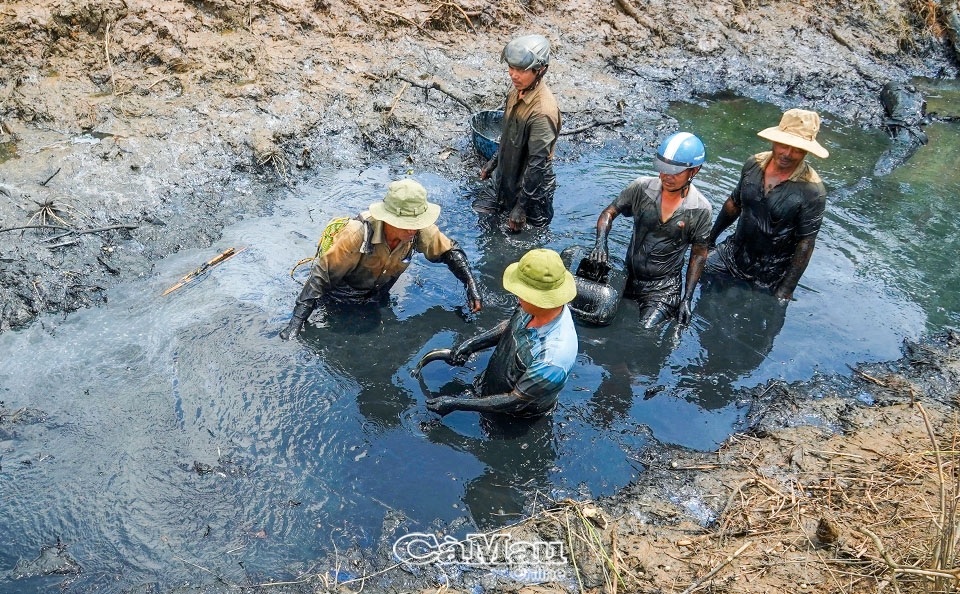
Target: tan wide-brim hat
798,128
540,278
405,206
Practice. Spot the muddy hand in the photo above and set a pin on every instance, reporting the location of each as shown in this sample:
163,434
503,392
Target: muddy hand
517,219
442,405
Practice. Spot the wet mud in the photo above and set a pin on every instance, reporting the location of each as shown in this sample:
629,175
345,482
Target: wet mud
131,130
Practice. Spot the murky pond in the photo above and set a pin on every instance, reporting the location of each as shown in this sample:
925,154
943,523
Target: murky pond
173,439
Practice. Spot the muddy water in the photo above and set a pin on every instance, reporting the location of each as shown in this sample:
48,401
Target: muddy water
166,433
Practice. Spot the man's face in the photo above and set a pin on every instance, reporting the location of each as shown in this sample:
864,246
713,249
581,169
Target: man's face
522,79
397,234
787,157
675,181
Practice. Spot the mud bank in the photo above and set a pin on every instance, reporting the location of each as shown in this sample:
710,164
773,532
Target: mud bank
163,121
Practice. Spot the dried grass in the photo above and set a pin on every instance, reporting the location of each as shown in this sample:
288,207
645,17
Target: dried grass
890,517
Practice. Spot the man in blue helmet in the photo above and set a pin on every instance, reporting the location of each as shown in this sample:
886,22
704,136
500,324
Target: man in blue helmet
522,169
779,203
669,214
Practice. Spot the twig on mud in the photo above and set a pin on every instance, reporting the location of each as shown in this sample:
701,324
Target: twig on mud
106,50
896,567
61,228
52,175
595,124
396,100
696,585
67,243
96,230
627,7
411,21
867,376
454,5
435,84
573,559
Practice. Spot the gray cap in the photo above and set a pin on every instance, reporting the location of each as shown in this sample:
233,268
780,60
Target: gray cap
528,52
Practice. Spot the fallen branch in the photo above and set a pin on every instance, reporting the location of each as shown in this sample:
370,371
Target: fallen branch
595,124
5,229
435,84
627,7
219,259
86,231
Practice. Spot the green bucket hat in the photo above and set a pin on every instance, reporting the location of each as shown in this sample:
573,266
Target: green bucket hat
540,278
405,206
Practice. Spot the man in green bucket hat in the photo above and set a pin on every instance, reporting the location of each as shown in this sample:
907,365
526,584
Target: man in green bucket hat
536,347
369,253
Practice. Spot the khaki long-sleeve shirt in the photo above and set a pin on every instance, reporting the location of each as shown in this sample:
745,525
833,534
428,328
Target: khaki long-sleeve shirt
345,272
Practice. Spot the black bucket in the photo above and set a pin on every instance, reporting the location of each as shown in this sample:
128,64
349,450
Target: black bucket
599,287
486,132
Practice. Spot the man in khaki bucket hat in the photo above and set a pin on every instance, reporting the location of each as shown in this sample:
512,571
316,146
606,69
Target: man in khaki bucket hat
368,254
536,348
779,202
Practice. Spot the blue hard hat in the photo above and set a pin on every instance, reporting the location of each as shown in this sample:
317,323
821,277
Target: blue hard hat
678,152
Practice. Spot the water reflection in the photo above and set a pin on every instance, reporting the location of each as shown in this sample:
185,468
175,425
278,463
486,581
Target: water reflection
737,325
518,456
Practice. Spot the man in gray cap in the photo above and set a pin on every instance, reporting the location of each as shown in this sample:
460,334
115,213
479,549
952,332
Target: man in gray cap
369,253
522,169
779,202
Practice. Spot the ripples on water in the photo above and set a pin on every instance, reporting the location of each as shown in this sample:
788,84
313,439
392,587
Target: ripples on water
179,432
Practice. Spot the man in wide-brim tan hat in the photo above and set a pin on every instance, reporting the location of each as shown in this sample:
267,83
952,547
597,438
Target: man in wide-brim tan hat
536,347
370,252
779,203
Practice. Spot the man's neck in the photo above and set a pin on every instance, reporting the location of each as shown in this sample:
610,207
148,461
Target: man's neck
544,316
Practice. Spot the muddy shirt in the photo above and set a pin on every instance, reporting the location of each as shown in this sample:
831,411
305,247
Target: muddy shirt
770,226
532,362
658,248
345,273
524,170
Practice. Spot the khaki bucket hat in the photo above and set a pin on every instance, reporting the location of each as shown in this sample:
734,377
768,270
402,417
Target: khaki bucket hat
540,278
798,128
405,206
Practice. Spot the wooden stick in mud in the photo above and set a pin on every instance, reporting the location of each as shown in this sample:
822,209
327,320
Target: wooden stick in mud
716,569
410,21
106,50
627,7
219,259
435,84
595,124
396,100
52,175
866,376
